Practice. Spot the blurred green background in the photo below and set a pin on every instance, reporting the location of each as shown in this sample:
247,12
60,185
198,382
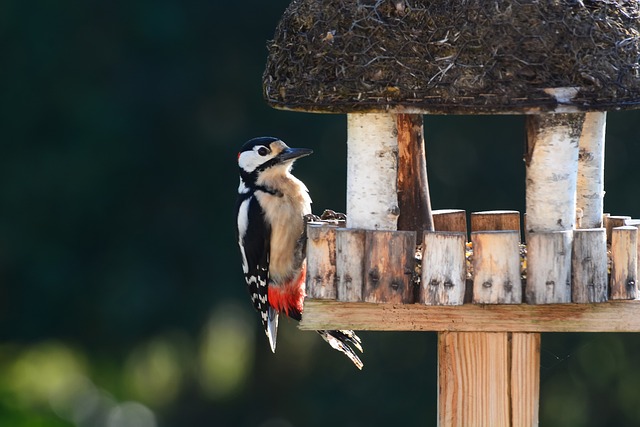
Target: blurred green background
122,301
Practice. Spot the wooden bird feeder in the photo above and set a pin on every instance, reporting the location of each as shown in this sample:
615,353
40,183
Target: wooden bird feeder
398,265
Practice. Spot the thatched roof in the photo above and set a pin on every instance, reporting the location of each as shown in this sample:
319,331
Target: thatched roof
448,56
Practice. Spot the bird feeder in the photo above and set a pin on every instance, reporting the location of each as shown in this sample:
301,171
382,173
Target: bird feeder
398,265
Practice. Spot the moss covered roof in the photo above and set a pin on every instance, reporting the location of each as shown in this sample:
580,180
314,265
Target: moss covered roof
464,56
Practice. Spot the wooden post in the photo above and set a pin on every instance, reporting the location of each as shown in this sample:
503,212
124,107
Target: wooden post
389,263
450,220
413,186
496,267
483,380
624,263
444,268
494,382
321,264
495,221
613,221
372,163
548,267
589,266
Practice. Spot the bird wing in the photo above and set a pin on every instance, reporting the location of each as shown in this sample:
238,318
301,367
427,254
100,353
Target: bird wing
254,248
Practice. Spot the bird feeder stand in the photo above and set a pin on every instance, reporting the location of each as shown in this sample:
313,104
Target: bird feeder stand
398,265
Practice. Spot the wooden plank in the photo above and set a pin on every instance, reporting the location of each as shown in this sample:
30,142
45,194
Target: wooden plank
525,378
548,267
610,316
444,268
624,263
496,382
473,386
589,265
350,244
389,264
454,220
321,261
413,186
495,220
496,267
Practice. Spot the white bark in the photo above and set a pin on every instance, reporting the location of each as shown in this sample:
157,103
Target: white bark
372,164
552,168
590,186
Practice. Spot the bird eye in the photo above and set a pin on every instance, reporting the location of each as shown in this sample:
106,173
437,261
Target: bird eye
263,151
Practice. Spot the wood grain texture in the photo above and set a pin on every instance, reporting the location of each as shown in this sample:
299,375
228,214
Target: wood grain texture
443,276
624,263
389,264
611,316
413,185
612,221
589,266
321,262
495,220
473,379
548,267
635,223
350,247
488,379
454,220
525,379
496,267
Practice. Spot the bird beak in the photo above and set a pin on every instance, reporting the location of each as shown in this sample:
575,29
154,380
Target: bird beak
293,153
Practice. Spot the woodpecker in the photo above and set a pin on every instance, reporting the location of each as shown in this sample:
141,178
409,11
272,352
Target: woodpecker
271,210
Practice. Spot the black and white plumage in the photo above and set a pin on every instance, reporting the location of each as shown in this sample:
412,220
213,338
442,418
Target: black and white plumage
271,209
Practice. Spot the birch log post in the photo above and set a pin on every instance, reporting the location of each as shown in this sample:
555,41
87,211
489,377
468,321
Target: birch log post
624,263
372,164
590,183
551,179
551,170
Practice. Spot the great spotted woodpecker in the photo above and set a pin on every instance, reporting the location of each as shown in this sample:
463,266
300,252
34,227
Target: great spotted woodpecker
271,209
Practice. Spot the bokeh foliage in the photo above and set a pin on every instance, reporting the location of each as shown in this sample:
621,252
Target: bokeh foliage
121,296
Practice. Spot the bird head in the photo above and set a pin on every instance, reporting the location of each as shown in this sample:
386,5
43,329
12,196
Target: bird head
263,153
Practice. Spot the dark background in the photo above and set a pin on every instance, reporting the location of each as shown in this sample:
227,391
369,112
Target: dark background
121,296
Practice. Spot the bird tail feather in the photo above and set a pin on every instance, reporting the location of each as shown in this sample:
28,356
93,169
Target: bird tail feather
343,341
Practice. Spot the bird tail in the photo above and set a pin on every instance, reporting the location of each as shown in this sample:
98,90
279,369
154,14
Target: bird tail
343,342
271,328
